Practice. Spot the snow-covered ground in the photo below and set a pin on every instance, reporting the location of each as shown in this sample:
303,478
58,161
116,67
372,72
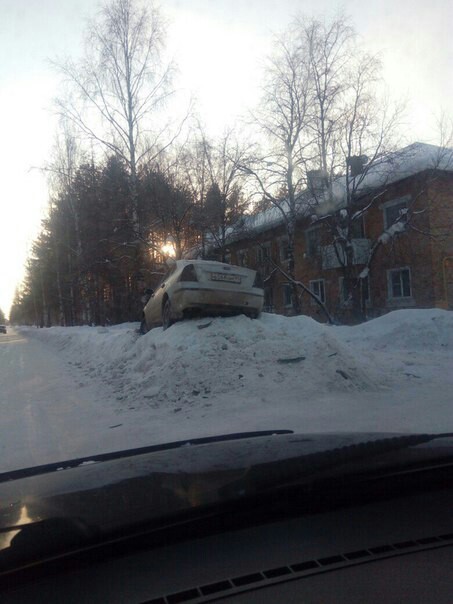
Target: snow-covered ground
46,412
110,388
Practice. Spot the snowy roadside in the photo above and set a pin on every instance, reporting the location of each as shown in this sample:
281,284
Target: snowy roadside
223,374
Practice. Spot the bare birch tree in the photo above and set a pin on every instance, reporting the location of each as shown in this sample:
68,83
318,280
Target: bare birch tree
362,143
321,119
279,169
116,91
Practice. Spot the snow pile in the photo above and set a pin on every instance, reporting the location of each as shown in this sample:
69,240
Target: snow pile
214,376
197,361
204,358
105,343
410,330
214,356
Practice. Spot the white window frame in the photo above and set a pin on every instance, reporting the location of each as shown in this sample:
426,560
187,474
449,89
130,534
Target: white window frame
390,204
390,295
311,283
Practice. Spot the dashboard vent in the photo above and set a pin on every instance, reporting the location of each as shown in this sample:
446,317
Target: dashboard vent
209,592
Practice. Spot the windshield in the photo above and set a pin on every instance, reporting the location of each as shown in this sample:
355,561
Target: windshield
301,166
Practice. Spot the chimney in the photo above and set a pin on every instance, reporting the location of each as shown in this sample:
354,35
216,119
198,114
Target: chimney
356,164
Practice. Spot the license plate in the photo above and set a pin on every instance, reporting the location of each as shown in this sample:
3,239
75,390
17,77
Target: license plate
225,277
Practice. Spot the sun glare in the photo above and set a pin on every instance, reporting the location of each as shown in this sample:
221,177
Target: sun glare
168,249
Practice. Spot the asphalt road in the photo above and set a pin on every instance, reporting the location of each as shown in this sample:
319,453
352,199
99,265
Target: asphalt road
46,413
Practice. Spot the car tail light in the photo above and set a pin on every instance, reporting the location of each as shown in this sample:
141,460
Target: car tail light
258,280
188,273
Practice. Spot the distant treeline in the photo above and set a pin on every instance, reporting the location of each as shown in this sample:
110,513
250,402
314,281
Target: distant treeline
98,248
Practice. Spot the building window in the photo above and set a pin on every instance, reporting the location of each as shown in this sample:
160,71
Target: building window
344,291
399,283
287,295
317,287
394,211
313,242
358,228
263,253
268,299
283,250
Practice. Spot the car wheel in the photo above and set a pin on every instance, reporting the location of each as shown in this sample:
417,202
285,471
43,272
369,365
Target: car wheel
167,321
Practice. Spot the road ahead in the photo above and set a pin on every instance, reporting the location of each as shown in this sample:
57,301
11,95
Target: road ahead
46,414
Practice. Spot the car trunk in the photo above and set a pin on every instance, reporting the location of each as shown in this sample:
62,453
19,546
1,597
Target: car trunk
215,274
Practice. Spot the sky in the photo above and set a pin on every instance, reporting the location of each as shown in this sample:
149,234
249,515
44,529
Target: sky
219,47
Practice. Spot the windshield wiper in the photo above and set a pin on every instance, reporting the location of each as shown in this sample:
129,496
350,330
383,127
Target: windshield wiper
73,463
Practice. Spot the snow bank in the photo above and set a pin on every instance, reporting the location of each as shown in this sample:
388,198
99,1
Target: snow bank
204,358
213,356
211,376
411,330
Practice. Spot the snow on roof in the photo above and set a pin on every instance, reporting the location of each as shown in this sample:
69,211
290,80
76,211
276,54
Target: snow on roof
270,218
266,219
410,160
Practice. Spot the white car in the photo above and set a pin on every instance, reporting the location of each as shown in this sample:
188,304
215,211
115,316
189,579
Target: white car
202,286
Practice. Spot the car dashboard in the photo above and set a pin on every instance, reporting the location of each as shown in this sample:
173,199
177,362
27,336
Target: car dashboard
382,537
399,550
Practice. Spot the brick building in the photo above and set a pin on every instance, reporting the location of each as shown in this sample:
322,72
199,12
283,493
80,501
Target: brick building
404,206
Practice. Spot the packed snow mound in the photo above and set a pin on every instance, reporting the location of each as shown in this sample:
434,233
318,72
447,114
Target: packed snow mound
106,343
214,376
212,356
195,361
414,329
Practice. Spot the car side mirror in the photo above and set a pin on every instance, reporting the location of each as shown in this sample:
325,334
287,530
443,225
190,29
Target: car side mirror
149,291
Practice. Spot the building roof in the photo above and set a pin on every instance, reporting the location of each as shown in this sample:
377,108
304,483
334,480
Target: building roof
403,163
392,168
